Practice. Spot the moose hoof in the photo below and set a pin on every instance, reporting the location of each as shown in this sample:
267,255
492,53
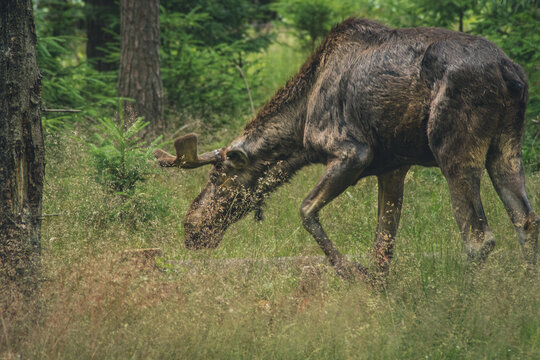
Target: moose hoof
479,254
352,271
529,245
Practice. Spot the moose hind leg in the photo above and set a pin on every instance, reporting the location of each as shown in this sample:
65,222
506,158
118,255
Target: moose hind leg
505,168
339,174
459,137
389,211
464,185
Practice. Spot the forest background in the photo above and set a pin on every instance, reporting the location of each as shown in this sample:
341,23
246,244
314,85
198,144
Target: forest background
220,61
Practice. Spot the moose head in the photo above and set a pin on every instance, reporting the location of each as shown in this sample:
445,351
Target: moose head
227,197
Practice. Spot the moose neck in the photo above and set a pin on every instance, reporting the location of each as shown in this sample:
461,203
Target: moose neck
274,144
277,136
273,140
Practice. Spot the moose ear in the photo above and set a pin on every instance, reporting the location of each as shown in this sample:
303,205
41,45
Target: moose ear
237,157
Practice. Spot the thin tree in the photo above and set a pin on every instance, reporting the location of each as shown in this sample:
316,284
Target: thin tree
102,18
22,162
140,77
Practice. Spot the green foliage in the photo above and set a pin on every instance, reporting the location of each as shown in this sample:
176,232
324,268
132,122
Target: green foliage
314,18
70,83
59,17
226,21
120,157
203,79
445,13
203,45
103,17
68,80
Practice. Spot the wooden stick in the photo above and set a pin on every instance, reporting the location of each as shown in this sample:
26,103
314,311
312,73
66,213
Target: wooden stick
62,110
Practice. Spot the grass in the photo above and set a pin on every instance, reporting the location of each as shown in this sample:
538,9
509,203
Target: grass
94,305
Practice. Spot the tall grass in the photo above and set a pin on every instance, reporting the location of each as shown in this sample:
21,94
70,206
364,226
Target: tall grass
95,304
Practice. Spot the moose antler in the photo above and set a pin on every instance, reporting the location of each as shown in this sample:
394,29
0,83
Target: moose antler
186,154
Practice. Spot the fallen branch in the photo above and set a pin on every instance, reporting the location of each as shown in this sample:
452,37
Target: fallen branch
61,110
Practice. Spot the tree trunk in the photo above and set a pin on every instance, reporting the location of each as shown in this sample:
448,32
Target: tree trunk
140,77
22,162
100,14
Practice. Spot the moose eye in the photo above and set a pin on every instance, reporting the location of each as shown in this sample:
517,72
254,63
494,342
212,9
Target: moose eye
237,158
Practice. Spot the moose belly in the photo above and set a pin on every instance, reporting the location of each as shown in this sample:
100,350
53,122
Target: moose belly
405,143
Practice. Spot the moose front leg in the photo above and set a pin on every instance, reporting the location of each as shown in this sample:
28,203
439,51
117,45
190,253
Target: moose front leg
338,176
389,210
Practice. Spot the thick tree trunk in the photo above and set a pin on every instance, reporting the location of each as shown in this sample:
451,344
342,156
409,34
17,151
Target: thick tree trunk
140,77
22,163
99,16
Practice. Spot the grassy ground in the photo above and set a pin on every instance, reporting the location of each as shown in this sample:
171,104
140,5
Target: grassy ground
94,305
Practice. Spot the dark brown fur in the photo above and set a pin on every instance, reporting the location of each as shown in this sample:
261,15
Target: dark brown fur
373,101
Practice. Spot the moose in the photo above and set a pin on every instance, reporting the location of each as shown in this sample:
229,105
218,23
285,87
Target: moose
373,100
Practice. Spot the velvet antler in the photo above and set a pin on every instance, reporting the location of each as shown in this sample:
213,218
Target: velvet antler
186,154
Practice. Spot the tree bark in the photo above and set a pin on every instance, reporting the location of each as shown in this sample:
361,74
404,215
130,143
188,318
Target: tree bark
22,161
140,77
99,16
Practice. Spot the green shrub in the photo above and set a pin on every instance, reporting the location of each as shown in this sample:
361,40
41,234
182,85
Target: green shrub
120,157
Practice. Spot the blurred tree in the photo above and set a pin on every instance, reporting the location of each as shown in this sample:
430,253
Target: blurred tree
63,17
102,25
140,76
22,163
